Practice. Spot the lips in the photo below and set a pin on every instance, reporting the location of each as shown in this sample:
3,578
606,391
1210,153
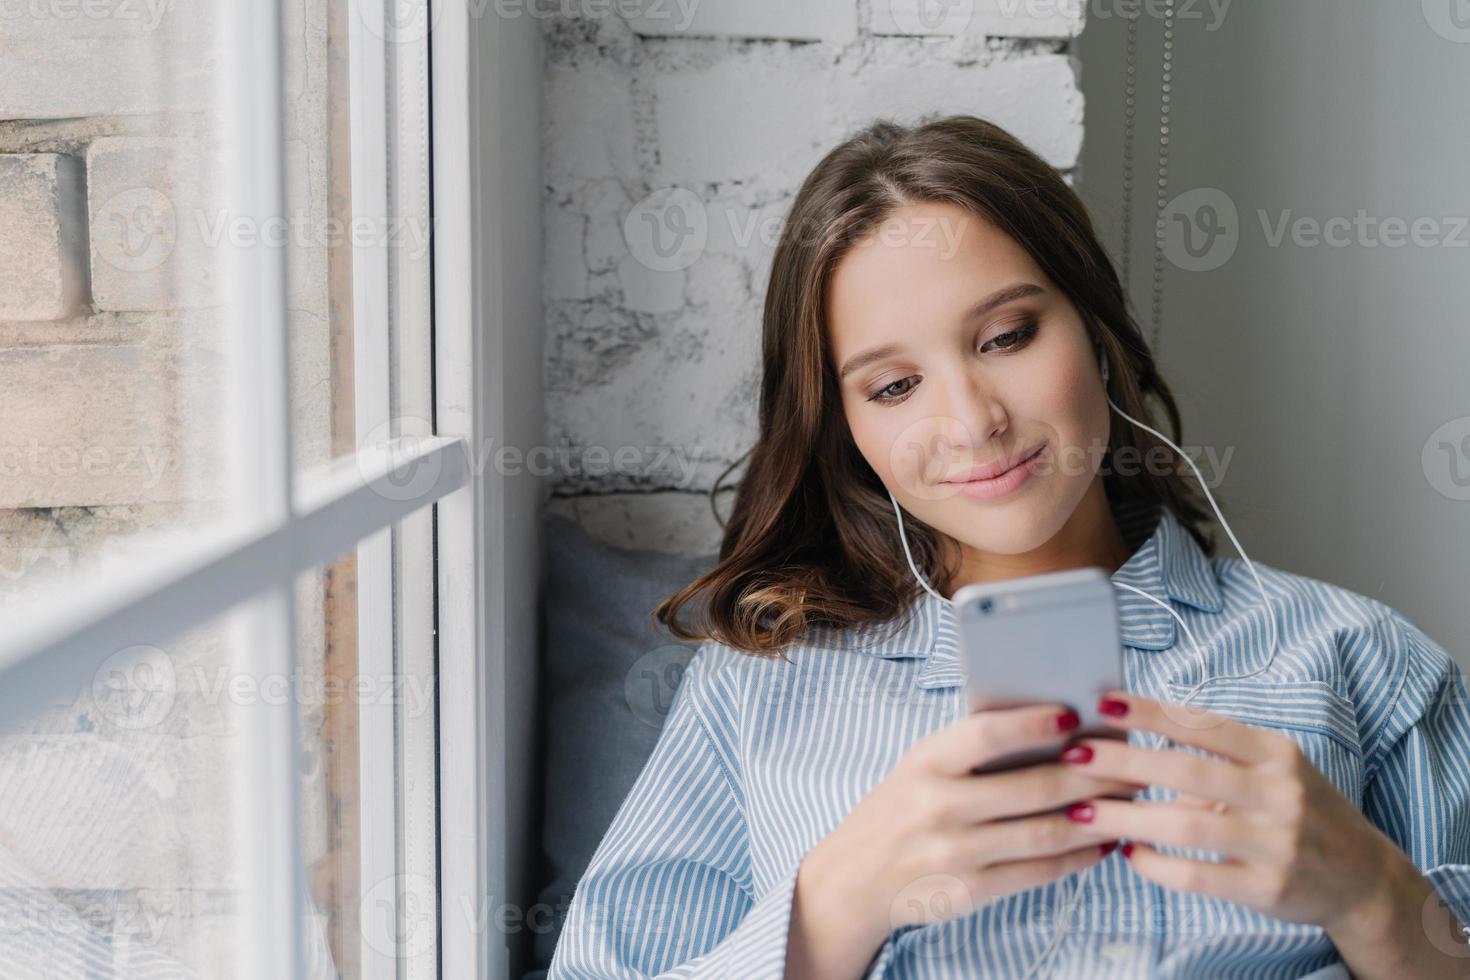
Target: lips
995,468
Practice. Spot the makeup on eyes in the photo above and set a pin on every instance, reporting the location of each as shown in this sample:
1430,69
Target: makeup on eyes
1023,331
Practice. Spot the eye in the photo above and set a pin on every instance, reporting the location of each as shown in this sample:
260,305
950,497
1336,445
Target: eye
893,393
1013,340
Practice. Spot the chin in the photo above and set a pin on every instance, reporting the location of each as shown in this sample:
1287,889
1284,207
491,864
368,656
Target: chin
1001,533
1013,529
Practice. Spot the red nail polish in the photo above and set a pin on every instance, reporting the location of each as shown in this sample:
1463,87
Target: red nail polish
1080,812
1128,849
1078,753
1107,848
1112,706
1066,721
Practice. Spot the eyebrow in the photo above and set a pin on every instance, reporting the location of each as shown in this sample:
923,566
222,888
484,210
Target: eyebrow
1000,297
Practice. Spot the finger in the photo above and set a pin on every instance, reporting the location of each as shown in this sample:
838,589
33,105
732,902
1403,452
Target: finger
984,735
1200,802
1009,877
1192,726
1173,824
1032,789
1024,837
1183,772
1225,879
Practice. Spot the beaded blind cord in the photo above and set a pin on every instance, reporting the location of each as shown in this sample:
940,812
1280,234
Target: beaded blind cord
1161,192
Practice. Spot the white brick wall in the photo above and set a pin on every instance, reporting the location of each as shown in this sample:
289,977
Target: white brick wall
145,198
996,18
710,123
114,439
44,274
810,20
77,58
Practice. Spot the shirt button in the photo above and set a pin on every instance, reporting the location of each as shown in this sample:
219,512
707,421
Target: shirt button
1117,951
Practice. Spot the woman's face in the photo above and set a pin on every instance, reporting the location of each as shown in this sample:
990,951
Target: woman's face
980,360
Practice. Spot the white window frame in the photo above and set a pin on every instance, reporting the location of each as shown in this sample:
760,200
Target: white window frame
487,263
288,526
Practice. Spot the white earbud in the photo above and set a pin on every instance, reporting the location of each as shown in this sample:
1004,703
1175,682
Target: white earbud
1105,367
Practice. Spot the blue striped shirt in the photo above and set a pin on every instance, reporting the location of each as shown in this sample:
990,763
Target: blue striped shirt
759,759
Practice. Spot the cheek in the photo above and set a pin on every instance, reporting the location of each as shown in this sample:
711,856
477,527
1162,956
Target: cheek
875,435
912,451
1077,406
902,448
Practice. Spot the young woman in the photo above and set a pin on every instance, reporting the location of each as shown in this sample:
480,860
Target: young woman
952,382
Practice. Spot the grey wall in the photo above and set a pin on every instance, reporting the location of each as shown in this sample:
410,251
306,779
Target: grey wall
1338,371
511,57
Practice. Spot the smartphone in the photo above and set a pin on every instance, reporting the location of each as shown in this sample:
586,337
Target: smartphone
1042,639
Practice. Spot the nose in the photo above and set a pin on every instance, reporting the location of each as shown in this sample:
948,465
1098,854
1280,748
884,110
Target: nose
976,403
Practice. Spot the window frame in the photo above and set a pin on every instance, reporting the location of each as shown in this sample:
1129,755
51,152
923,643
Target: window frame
292,523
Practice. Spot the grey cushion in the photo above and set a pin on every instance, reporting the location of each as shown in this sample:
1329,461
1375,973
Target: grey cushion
607,680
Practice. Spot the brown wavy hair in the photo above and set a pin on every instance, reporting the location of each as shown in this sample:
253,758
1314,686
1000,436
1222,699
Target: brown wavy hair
812,537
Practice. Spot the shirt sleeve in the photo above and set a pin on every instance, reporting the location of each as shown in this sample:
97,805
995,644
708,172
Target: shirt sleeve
1418,789
669,890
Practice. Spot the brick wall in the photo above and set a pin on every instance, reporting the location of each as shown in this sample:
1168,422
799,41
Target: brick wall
711,119
112,359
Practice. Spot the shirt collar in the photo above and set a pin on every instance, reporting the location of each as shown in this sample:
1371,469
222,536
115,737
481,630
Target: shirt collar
1168,563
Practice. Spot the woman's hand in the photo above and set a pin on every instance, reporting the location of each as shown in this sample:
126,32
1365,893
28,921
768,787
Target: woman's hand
934,840
1295,848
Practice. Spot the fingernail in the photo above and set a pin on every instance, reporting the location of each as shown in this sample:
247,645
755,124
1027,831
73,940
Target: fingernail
1107,848
1066,721
1112,706
1078,753
1080,812
1128,849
